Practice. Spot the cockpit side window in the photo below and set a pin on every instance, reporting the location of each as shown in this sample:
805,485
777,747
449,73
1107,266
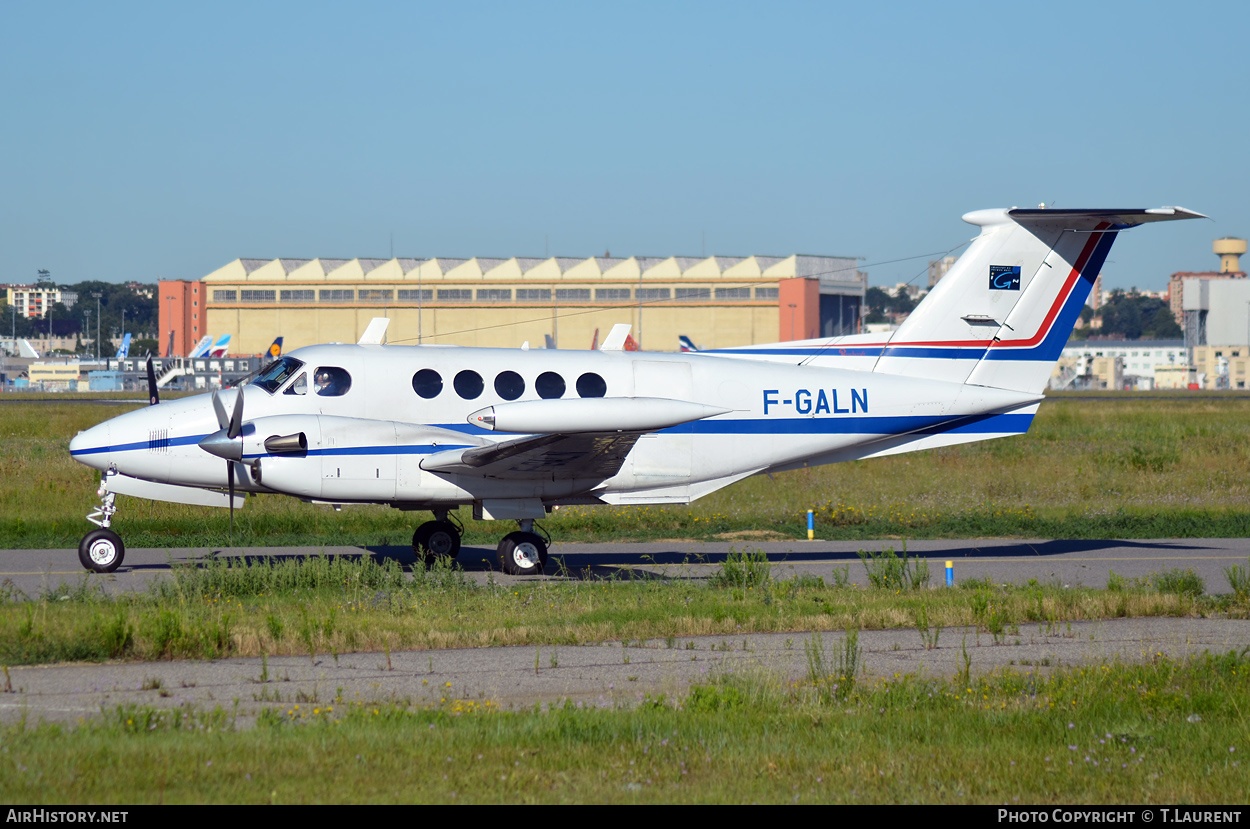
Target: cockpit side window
299,385
276,373
331,381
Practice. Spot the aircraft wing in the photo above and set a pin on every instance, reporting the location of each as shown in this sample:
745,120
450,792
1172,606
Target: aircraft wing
586,455
581,438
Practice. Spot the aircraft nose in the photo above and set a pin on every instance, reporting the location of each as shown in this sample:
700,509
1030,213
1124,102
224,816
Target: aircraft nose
93,446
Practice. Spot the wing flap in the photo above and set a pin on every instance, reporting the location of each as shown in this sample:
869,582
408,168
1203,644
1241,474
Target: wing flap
563,456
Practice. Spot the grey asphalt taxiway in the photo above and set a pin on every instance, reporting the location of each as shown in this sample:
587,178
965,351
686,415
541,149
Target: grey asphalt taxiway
1073,562
617,673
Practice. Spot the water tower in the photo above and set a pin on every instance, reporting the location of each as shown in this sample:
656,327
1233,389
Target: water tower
1229,249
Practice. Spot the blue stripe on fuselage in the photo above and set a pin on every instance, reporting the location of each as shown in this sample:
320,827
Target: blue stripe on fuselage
884,426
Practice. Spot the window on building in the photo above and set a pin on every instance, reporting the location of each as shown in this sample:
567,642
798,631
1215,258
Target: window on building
375,296
494,295
455,295
733,293
257,296
653,294
612,294
532,294
767,293
225,296
693,293
414,294
338,295
298,296
573,294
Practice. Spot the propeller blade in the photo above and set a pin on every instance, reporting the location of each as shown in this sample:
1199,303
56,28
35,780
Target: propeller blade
154,394
230,478
236,417
220,408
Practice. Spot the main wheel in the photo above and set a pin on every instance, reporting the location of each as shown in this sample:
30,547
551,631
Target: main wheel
436,539
522,554
101,550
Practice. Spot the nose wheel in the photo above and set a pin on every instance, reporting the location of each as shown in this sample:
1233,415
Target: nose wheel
101,551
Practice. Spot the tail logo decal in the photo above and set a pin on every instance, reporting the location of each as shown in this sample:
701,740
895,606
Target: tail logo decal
1004,277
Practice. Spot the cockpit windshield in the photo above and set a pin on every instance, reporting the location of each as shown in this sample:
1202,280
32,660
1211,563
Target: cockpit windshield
276,373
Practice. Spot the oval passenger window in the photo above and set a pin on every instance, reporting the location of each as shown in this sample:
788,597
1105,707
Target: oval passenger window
549,385
509,385
427,383
591,385
468,384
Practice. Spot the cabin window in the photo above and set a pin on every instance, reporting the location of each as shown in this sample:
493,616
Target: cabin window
331,381
549,385
300,386
468,384
427,383
509,385
591,385
272,376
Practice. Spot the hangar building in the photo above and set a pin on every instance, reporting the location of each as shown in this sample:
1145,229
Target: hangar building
717,301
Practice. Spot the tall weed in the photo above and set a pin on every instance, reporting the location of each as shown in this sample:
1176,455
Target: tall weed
889,571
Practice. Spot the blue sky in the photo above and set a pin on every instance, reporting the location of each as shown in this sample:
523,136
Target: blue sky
145,141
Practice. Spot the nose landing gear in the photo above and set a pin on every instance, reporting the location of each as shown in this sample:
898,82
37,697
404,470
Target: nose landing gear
102,550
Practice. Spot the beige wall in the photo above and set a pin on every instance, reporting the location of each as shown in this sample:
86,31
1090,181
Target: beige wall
1207,358
251,330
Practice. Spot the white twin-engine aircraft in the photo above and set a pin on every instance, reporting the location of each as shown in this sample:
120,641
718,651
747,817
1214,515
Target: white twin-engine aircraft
515,432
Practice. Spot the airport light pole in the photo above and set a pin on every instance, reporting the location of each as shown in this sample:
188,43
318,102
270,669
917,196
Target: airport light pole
86,313
96,294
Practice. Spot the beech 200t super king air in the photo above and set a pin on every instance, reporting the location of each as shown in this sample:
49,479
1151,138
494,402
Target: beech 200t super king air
516,432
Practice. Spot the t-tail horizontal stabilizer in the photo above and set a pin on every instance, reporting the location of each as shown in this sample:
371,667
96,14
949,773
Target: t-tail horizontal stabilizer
1004,311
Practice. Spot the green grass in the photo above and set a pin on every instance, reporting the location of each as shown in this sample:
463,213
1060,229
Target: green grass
1161,733
1159,466
333,605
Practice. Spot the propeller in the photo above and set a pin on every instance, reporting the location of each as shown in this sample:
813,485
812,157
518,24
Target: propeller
225,442
154,394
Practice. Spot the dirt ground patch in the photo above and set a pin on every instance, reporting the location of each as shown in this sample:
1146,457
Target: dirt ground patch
752,535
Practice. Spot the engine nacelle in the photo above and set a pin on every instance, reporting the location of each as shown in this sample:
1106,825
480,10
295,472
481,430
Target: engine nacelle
346,459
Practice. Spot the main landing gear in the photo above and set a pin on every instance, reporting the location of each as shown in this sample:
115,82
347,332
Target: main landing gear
521,553
102,550
437,539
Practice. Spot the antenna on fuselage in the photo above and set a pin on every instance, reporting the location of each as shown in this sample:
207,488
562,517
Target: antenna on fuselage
154,394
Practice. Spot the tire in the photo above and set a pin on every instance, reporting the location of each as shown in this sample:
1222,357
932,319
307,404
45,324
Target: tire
522,554
436,539
101,551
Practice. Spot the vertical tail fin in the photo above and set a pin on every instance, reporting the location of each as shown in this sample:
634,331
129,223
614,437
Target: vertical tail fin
1003,313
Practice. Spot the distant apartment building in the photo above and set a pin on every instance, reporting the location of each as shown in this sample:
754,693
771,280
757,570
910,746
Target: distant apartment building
938,269
1116,364
35,300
